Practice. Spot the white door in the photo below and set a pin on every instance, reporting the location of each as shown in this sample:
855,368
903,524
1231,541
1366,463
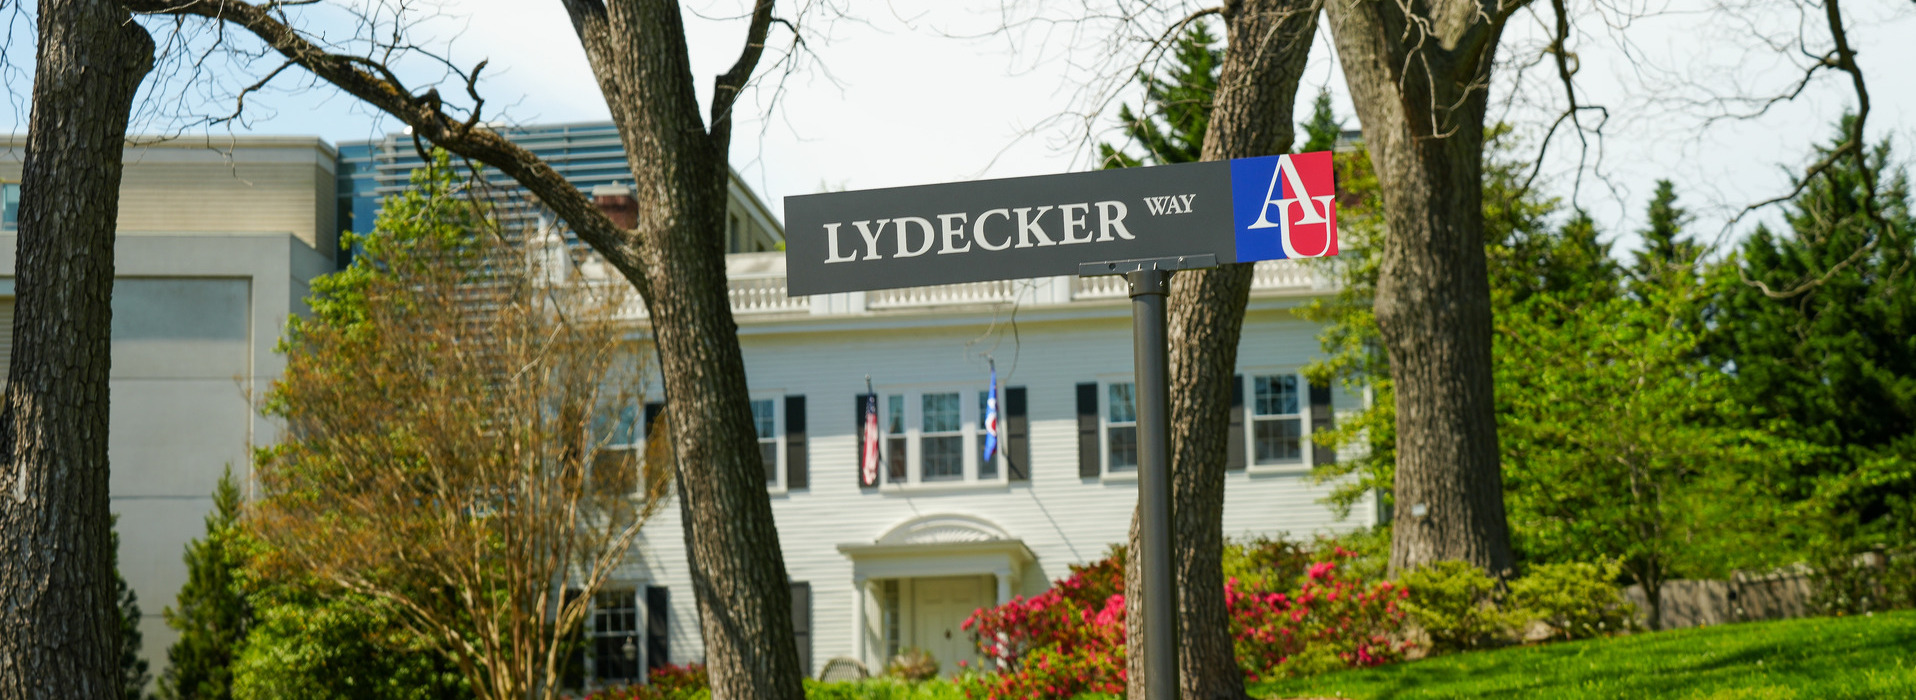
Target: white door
940,608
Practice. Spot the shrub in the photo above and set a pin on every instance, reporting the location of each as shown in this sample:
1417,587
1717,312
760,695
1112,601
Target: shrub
1456,604
913,665
668,682
1069,640
1576,599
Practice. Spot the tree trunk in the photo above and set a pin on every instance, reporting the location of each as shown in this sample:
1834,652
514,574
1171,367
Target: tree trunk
61,620
1420,83
637,51
1267,43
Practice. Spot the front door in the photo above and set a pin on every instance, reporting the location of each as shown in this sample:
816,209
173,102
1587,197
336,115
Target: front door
940,608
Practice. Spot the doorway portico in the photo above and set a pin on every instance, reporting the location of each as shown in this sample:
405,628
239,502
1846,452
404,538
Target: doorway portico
917,584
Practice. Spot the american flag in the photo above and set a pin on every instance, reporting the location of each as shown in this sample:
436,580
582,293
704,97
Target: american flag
868,469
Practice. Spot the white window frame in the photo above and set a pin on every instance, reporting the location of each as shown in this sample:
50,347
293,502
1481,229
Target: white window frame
1105,424
1302,416
970,434
636,634
777,483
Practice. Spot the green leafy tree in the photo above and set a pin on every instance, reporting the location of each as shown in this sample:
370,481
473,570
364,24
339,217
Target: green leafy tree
1815,325
213,614
133,666
1177,110
1620,442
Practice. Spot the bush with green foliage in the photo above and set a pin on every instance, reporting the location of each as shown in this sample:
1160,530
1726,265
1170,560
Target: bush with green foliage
668,682
913,664
1576,599
1456,604
133,667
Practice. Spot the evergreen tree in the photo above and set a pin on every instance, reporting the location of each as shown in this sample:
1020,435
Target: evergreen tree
213,614
133,667
1836,360
1177,106
1668,256
1324,128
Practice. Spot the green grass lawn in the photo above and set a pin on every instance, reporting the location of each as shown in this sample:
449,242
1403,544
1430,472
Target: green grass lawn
1819,658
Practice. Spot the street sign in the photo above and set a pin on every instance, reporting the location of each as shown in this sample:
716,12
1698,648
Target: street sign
1240,210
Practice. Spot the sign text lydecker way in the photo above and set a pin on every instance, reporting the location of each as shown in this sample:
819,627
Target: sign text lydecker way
1240,210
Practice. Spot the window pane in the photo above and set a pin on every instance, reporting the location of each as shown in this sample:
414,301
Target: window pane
762,417
614,625
1277,396
1123,406
1279,441
895,425
987,468
1123,443
12,214
944,457
895,458
941,413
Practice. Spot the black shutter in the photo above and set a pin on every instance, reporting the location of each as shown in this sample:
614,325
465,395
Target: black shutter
573,675
1234,435
1017,434
795,462
1089,463
802,623
658,639
1321,419
858,449
652,411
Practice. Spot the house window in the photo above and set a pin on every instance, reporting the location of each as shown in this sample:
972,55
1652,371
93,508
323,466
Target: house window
615,637
942,442
738,240
936,436
897,457
765,422
893,639
1277,429
1121,427
11,192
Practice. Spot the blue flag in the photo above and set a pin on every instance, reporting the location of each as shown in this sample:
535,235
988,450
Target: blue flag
991,418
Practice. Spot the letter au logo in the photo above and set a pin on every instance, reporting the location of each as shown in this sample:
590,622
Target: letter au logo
1284,206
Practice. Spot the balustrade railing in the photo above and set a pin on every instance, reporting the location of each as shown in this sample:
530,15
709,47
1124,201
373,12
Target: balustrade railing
762,293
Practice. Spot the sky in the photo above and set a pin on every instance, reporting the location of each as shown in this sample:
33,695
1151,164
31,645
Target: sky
903,92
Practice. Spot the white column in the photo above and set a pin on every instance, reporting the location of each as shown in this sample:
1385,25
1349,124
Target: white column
859,593
1004,586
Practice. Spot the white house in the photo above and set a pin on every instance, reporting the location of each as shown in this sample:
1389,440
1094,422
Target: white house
879,569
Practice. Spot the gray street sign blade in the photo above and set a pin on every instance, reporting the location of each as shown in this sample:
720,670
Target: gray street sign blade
1005,229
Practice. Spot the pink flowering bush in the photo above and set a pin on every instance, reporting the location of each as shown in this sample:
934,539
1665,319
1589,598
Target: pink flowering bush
1290,618
668,682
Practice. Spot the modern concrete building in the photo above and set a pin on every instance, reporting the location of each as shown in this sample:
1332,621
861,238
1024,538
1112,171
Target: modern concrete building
218,242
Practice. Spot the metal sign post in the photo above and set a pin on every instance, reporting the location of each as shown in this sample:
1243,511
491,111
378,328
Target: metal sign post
1150,282
1143,223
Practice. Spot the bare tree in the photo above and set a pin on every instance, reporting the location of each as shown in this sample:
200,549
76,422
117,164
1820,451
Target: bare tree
62,623
673,256
453,433
1419,74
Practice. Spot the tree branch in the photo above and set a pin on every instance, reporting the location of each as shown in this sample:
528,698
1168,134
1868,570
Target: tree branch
375,83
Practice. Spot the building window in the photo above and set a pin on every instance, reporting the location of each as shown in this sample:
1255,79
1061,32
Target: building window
765,421
1121,427
737,237
936,436
615,637
897,456
1277,429
942,442
11,193
893,639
